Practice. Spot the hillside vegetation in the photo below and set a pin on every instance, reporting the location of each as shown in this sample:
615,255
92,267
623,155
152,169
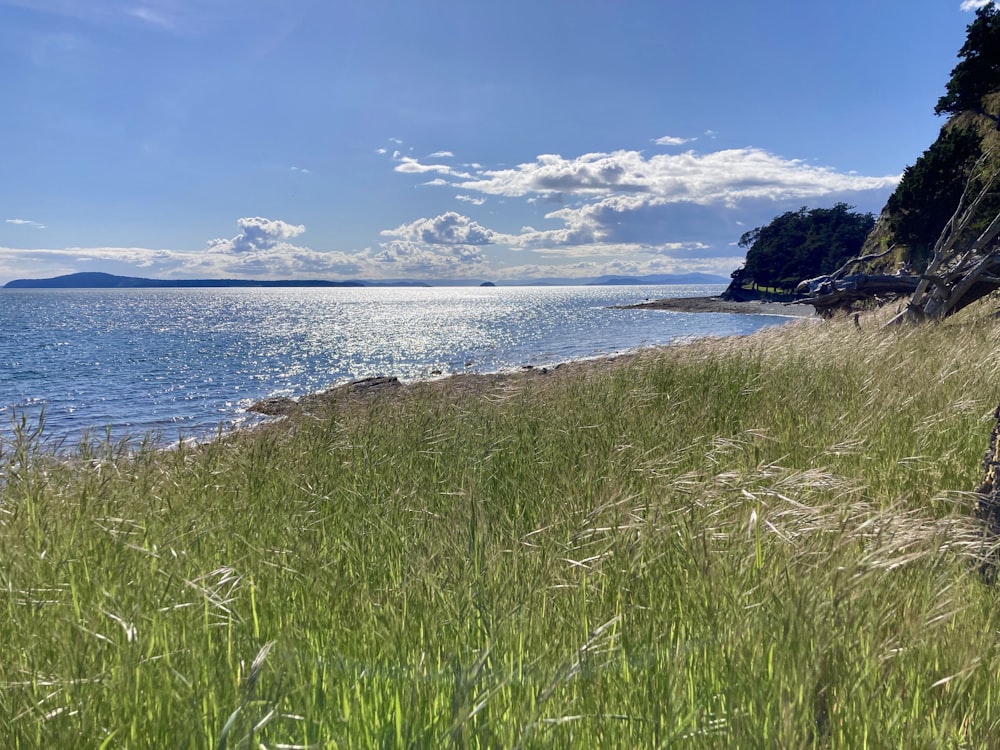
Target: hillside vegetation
733,543
800,244
965,155
962,161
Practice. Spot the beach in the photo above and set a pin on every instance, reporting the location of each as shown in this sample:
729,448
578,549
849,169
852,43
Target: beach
485,384
180,362
719,305
461,556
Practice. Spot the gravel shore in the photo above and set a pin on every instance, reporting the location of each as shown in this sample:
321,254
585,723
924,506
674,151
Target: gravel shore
485,383
717,305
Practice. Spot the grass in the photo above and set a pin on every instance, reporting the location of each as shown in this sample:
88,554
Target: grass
761,541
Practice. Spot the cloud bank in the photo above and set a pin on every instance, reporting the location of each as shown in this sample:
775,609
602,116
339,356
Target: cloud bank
618,212
724,177
626,208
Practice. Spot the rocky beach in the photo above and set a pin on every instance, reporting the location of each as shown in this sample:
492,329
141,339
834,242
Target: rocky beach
719,305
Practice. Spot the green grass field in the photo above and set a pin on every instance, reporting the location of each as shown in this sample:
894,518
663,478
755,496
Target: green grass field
755,542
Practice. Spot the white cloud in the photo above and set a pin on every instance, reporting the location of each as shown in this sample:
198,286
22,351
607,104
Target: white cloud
444,247
670,140
409,165
606,206
724,177
257,233
449,228
975,4
405,258
441,155
635,266
470,199
26,223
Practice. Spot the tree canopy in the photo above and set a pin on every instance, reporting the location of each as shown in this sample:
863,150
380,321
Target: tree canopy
802,244
929,191
978,73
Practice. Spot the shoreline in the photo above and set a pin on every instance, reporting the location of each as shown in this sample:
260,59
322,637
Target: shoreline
275,409
719,305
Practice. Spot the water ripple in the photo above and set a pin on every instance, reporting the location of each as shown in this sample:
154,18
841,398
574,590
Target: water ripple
182,362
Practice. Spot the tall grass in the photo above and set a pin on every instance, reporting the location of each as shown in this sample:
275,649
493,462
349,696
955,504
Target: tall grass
762,541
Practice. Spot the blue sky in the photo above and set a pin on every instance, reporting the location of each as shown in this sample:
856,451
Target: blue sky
448,139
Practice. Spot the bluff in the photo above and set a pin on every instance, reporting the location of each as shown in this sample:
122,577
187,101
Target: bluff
961,161
965,154
937,240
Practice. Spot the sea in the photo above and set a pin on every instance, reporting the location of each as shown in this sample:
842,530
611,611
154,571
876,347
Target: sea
182,364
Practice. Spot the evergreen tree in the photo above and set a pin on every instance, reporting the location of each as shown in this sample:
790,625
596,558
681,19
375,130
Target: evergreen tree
802,244
978,73
929,191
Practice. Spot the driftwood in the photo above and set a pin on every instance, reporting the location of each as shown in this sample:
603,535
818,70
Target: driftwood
839,291
962,269
828,294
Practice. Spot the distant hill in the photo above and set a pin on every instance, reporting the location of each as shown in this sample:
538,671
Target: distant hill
656,279
661,278
94,280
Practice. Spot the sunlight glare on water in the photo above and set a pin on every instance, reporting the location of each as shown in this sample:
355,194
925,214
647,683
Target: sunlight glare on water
182,362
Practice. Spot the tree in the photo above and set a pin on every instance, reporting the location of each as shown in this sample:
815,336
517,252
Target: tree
929,191
964,266
978,73
804,243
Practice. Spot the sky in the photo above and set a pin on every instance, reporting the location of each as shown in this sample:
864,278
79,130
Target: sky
448,139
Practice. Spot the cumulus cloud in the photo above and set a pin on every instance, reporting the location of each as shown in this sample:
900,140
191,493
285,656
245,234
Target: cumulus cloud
257,234
726,176
975,4
407,258
681,207
449,228
621,212
447,246
441,155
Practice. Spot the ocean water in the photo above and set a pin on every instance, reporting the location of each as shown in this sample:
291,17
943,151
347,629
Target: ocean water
181,363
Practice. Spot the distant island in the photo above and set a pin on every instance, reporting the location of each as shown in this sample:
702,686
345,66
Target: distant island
92,280
95,280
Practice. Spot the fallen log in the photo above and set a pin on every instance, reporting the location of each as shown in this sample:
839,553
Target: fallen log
964,266
828,294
